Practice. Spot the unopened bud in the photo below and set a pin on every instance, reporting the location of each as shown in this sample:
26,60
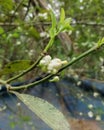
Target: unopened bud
54,65
45,61
64,62
55,79
51,65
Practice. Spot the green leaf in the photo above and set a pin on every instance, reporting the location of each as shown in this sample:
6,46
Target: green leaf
33,32
6,5
15,66
100,42
65,25
52,30
1,30
62,15
15,35
53,18
45,111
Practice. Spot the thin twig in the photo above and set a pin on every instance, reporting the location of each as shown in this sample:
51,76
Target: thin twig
49,23
25,71
64,67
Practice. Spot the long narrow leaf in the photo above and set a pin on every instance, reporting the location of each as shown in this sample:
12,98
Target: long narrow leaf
44,110
62,15
53,18
52,30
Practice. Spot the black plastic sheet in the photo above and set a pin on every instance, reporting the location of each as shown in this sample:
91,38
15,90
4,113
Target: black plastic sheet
82,99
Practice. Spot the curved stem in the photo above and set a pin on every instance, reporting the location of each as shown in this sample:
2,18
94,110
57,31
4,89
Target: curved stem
79,57
32,84
64,67
25,71
35,64
49,44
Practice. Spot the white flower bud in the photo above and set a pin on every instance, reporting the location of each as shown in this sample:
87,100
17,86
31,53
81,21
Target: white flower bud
90,106
90,114
64,62
95,94
51,65
55,79
98,118
54,65
45,61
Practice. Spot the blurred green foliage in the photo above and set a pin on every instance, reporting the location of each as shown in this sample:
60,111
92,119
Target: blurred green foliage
24,32
88,29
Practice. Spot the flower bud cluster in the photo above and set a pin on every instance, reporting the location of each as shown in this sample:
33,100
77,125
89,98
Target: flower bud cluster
51,65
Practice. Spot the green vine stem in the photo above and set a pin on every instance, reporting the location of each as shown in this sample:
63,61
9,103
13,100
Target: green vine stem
31,84
74,60
49,44
33,65
52,37
64,67
25,71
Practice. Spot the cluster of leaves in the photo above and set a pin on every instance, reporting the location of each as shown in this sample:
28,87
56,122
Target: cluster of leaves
57,27
62,25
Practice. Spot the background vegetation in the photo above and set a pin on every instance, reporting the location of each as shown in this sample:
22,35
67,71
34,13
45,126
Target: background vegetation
24,26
